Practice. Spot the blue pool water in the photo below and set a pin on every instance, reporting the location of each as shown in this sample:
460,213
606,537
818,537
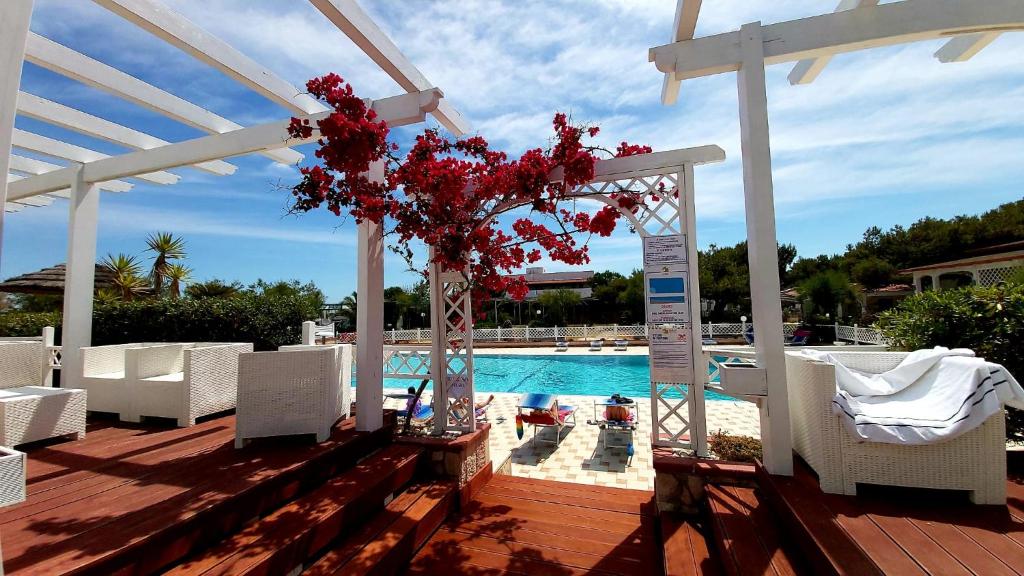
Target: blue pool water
568,374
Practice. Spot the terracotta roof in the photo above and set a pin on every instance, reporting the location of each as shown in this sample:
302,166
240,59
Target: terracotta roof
891,289
51,281
973,261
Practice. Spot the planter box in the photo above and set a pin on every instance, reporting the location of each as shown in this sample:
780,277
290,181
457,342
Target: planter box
744,378
12,476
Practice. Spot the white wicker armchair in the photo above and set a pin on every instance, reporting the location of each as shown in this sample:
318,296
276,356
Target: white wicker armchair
182,381
28,411
975,461
286,393
342,366
103,376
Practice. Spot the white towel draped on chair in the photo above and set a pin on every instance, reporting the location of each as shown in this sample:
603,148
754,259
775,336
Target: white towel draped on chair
931,396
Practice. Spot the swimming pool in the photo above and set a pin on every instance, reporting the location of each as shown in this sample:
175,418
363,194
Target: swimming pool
562,374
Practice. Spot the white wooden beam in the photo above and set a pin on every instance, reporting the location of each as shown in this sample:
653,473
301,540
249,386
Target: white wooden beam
613,168
15,16
350,18
682,29
65,61
38,108
174,28
58,149
36,167
841,32
396,111
370,314
806,71
762,249
963,48
79,276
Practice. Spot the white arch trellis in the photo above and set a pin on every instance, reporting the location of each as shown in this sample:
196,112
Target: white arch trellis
29,182
967,27
677,407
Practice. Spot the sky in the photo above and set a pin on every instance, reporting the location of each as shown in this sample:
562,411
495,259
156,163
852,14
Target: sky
883,137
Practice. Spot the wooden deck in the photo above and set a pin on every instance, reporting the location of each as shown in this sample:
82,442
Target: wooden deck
135,498
538,527
900,531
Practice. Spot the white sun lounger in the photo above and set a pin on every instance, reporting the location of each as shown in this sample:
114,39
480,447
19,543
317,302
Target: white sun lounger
595,345
620,345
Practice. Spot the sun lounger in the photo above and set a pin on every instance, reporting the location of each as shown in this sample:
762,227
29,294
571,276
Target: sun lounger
561,345
480,409
620,345
543,410
595,345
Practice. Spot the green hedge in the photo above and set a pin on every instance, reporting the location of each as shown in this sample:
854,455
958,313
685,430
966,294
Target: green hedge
266,321
988,320
27,323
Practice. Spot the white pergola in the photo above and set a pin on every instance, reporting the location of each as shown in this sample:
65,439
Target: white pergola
31,182
969,27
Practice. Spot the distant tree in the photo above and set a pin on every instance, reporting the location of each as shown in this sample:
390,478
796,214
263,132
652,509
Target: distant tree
165,248
824,293
308,291
873,272
605,289
127,275
212,289
177,275
37,302
349,308
558,304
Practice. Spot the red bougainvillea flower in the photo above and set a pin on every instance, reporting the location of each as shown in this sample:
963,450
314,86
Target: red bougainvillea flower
452,194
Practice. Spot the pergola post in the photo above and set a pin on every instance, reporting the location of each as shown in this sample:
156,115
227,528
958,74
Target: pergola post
370,320
762,250
15,16
79,276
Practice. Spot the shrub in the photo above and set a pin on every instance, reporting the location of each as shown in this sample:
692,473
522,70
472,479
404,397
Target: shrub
266,321
734,448
27,323
986,319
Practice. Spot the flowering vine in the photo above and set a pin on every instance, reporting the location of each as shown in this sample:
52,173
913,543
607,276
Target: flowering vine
449,194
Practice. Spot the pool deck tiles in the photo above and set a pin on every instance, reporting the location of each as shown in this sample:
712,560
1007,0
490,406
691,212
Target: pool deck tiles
580,457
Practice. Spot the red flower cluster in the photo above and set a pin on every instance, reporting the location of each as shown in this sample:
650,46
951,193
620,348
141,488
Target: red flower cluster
451,194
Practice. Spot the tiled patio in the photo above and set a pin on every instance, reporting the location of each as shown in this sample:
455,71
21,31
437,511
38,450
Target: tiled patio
579,457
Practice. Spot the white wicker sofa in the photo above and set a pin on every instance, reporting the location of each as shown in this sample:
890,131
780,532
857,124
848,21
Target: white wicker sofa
974,461
182,381
28,411
287,392
103,376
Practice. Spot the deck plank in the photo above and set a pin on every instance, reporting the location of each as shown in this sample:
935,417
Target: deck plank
508,529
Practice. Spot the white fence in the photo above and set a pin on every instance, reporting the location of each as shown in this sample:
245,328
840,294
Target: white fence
855,334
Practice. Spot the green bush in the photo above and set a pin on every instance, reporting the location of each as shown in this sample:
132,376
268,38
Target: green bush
986,319
266,321
27,323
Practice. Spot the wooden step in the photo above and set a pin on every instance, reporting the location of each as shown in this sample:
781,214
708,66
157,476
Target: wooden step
747,534
387,543
802,514
686,549
299,530
163,510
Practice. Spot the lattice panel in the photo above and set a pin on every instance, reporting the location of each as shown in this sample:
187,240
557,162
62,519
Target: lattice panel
407,363
993,276
670,414
663,216
451,309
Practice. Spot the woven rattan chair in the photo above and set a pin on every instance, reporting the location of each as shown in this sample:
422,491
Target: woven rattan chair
182,381
285,393
974,461
29,411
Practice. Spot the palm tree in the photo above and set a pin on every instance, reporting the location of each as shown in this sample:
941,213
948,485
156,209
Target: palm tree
348,308
177,274
166,247
127,272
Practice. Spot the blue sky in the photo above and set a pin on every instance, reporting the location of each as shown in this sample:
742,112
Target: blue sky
883,137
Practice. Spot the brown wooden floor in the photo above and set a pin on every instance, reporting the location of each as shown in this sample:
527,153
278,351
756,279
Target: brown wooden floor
536,527
902,531
95,502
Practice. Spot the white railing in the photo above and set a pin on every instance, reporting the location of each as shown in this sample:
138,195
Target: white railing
407,361
856,334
